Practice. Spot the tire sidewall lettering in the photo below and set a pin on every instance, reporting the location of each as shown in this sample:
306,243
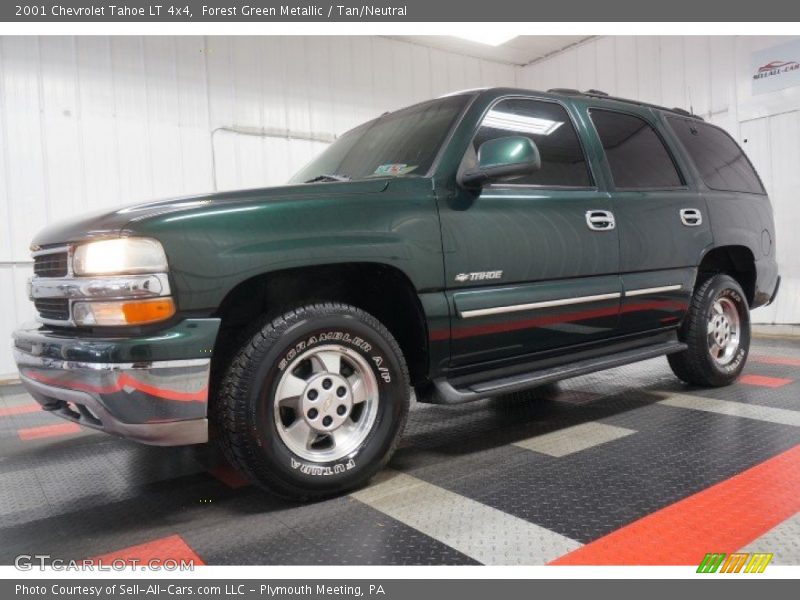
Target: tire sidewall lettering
322,470
337,337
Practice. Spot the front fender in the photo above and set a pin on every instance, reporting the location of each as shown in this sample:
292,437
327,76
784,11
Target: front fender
213,249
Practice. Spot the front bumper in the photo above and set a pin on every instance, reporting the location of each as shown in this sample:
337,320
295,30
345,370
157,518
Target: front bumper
160,400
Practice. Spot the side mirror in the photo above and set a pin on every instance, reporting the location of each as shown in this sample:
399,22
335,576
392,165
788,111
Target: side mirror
502,158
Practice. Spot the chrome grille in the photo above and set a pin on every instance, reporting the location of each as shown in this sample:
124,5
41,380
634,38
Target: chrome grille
53,264
54,309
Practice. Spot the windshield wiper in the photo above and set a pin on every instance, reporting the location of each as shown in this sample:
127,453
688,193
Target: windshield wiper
328,177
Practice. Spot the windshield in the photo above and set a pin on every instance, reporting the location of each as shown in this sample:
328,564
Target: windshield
404,142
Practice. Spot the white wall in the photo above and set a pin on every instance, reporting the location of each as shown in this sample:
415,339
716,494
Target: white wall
712,76
93,122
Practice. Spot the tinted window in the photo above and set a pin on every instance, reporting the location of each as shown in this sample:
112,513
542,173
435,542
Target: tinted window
550,128
722,164
636,155
401,143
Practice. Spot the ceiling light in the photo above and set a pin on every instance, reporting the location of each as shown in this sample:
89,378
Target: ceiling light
487,37
498,119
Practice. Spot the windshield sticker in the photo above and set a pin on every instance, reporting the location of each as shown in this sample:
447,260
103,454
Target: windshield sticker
394,169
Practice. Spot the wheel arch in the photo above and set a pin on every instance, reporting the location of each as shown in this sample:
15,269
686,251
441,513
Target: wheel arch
382,290
737,261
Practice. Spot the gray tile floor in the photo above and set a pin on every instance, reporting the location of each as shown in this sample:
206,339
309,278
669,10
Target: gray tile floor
502,481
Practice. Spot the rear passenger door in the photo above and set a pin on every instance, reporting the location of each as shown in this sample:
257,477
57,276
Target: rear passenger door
663,224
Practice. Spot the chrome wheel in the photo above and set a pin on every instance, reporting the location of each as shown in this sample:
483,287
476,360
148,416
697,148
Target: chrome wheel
724,331
325,403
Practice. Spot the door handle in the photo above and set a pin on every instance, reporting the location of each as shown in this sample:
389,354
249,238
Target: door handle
600,220
691,217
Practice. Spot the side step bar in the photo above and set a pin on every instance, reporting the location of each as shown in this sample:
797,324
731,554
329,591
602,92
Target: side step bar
447,394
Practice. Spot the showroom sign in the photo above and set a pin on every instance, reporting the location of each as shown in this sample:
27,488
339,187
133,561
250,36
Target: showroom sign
776,68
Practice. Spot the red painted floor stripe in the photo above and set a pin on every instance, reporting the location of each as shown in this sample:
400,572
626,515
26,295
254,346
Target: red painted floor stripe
229,476
22,409
722,518
775,360
46,431
155,552
763,381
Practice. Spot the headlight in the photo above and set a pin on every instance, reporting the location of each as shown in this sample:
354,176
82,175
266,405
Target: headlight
120,255
117,258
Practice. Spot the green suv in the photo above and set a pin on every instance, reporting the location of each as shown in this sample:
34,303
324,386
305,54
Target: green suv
475,245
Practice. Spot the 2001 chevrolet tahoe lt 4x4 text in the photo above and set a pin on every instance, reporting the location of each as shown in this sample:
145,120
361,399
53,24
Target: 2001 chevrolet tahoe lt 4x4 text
471,246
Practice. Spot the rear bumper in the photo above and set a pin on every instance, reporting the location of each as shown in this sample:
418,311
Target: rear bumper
767,282
775,292
160,402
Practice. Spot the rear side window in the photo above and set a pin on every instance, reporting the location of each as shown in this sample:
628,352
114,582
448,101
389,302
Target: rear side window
549,126
722,164
636,155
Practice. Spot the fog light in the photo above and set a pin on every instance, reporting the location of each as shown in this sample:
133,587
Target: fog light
136,312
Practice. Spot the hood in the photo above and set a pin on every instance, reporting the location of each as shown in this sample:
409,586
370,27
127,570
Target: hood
114,223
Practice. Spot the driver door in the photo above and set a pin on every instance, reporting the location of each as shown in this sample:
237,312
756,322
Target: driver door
531,264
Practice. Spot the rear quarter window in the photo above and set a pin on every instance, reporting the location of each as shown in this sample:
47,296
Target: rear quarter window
721,163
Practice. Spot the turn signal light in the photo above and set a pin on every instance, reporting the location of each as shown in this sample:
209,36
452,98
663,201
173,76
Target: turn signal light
129,312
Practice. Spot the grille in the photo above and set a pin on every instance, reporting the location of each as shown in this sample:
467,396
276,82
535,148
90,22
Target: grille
50,265
56,309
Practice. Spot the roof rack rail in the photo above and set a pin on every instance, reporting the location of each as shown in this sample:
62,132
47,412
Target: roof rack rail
601,94
683,111
565,91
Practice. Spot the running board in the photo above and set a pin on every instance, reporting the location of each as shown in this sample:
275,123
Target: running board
446,393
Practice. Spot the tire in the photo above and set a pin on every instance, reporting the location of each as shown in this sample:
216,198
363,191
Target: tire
332,362
717,331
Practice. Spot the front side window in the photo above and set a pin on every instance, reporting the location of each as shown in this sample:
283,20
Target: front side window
401,143
636,155
722,164
549,126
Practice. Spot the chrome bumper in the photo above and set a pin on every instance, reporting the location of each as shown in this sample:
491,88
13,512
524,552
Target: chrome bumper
160,402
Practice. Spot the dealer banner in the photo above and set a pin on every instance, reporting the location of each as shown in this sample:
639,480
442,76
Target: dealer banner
777,67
